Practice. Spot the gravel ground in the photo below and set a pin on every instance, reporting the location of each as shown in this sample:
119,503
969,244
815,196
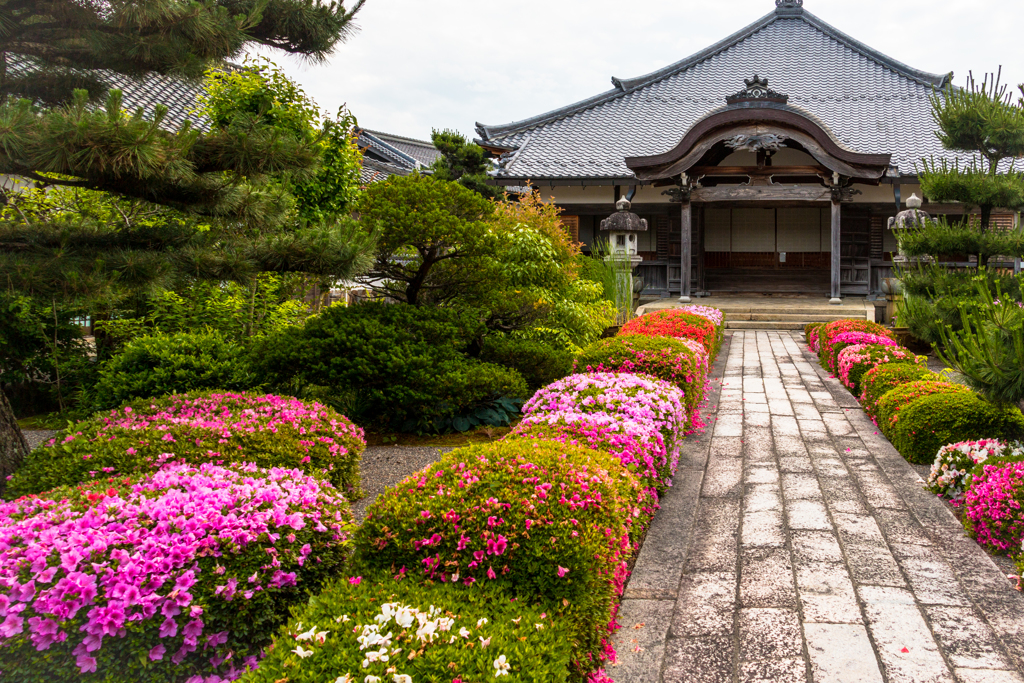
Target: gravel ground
381,466
37,436
384,466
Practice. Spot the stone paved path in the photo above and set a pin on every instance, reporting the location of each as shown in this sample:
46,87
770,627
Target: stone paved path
797,545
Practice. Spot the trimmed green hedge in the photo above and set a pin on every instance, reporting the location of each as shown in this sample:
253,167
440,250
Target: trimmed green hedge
895,401
165,364
467,633
548,521
407,368
930,422
537,362
882,379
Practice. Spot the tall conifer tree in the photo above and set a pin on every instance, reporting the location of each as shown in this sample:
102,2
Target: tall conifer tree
62,126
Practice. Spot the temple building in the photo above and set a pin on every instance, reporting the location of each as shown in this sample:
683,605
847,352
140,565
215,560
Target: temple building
768,162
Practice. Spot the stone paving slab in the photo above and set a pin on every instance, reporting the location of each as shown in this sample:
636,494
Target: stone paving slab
797,545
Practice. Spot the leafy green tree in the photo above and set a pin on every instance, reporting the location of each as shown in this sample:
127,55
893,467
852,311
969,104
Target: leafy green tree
535,288
464,162
984,121
57,130
433,239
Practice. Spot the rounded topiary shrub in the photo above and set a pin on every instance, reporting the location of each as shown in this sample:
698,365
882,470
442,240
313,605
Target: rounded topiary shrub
929,423
181,573
994,506
881,379
955,464
549,521
896,400
537,362
404,367
639,446
164,364
622,395
829,331
677,323
855,360
362,629
268,430
667,359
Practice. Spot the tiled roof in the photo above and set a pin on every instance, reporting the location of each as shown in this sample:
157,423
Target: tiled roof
870,102
422,151
178,94
374,171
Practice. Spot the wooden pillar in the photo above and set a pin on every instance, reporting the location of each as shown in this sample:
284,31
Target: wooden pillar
685,238
836,251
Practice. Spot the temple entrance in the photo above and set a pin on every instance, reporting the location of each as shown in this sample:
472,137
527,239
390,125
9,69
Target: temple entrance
766,249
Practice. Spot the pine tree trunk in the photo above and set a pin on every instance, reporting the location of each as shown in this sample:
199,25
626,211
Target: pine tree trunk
13,446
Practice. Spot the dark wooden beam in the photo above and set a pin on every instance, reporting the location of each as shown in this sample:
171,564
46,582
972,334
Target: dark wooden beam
760,193
757,171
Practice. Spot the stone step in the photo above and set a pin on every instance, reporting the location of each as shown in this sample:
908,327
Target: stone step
842,311
763,325
793,317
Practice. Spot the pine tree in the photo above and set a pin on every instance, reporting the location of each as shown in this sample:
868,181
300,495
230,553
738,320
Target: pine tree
985,122
464,162
60,126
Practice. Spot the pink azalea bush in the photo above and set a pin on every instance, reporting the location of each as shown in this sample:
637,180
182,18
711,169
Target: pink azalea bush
217,427
639,446
994,506
712,314
950,475
682,362
633,397
844,339
855,360
546,520
182,574
826,337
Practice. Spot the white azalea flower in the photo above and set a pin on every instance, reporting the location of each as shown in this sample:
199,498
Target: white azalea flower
347,678
464,632
387,611
302,653
484,642
501,666
402,678
321,637
481,622
427,632
445,624
404,617
308,635
371,679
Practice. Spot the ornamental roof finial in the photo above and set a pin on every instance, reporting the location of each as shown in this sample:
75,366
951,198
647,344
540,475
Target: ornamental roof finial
789,6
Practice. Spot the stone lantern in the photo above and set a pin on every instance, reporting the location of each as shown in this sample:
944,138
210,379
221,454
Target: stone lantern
912,217
623,227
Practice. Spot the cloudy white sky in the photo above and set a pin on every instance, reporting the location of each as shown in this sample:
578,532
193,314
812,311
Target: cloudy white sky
422,64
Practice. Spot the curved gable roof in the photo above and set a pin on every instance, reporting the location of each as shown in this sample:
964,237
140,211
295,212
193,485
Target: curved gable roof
874,104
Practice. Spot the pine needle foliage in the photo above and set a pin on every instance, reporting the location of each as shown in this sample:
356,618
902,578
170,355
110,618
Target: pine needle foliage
984,121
